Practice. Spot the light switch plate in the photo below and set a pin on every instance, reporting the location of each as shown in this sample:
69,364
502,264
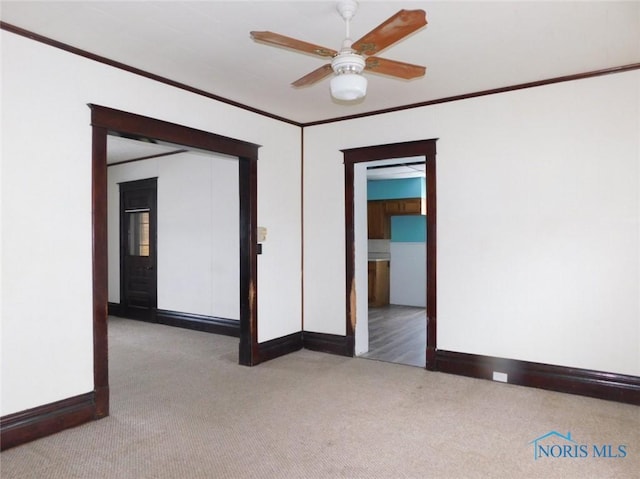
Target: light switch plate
262,234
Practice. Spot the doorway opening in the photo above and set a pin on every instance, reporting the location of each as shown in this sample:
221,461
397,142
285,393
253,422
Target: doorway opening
356,219
105,121
396,261
138,249
188,276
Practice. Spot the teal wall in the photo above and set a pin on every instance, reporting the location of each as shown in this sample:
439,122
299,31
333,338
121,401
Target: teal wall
404,229
409,229
396,189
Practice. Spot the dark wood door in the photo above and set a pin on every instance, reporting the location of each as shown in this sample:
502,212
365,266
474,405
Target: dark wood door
138,252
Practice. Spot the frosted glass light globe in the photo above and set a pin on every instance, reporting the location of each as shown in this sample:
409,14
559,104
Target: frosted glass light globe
348,86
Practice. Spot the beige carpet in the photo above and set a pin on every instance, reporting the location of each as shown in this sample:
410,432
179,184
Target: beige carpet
181,407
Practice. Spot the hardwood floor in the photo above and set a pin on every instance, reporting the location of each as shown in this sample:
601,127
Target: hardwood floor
398,334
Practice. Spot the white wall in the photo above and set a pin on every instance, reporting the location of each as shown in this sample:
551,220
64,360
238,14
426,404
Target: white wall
46,210
538,221
198,232
408,274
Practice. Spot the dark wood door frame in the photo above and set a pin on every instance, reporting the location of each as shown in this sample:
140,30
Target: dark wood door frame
104,120
426,148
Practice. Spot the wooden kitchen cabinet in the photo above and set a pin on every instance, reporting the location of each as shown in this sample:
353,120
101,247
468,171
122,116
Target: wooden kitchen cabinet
406,206
378,224
378,283
379,214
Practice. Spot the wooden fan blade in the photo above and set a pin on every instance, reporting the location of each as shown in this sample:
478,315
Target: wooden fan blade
282,41
394,68
389,32
315,76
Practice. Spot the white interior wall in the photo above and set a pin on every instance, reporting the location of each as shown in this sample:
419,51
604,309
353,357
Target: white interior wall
538,212
47,344
198,232
408,274
545,182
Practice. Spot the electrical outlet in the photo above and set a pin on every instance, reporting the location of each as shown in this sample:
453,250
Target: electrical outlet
501,377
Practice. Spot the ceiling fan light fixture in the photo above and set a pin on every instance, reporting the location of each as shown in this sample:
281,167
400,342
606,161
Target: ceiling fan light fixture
348,86
348,64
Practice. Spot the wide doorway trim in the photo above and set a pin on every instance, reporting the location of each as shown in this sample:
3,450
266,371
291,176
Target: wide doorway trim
105,120
426,148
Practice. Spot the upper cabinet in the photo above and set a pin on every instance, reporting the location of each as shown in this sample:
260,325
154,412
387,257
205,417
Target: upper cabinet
379,214
405,206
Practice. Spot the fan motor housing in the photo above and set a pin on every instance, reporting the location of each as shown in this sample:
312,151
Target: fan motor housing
348,62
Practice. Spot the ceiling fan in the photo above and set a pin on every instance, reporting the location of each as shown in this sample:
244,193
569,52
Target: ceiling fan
347,65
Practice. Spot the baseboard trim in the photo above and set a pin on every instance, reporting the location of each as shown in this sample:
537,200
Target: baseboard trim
196,322
584,382
113,309
199,322
328,343
279,346
28,425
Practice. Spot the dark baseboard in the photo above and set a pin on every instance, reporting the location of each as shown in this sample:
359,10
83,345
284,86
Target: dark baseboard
113,309
279,346
328,343
585,382
199,322
41,421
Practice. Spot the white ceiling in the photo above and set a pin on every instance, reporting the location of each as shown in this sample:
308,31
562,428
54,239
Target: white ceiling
123,150
466,46
397,168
